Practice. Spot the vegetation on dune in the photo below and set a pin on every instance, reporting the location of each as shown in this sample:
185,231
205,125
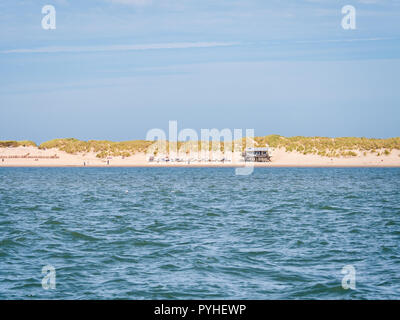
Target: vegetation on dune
69,145
386,152
331,147
14,144
103,148
327,147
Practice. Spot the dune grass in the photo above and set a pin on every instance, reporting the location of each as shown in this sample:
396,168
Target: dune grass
103,148
14,144
331,147
323,146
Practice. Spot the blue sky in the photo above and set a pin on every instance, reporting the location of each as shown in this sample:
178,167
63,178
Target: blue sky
114,69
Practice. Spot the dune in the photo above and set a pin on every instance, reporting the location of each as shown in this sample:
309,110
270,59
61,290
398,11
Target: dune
32,156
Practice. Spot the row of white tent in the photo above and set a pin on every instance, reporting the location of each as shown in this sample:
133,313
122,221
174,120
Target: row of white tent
197,157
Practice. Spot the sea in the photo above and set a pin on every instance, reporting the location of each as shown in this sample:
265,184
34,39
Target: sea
199,233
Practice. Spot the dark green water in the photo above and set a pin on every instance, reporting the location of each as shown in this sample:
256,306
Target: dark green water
173,233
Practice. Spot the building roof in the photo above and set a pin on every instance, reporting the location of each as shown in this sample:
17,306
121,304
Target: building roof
257,149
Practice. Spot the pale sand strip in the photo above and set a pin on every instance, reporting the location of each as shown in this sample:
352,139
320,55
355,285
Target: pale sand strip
280,158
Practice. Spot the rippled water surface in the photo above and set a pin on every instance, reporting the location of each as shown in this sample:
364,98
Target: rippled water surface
174,233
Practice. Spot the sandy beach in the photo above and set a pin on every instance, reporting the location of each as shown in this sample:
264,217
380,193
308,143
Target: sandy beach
35,157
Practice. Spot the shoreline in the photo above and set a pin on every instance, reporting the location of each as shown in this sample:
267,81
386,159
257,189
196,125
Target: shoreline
31,157
270,165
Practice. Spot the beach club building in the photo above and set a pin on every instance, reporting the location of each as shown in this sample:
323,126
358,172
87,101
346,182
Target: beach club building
257,155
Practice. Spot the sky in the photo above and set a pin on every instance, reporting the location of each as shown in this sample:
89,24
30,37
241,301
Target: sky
115,69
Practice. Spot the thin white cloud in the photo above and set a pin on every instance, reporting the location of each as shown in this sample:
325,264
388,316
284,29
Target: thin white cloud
135,47
172,45
346,40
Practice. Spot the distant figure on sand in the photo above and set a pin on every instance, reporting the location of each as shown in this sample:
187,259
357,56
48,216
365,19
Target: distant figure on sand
108,162
84,164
